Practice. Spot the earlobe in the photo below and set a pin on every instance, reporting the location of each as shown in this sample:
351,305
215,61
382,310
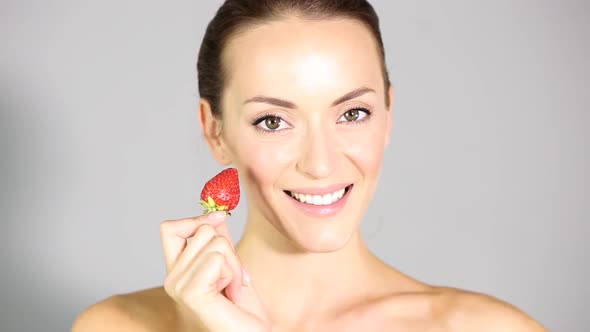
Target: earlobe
211,128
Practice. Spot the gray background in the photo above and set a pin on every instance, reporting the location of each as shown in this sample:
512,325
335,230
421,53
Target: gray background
484,187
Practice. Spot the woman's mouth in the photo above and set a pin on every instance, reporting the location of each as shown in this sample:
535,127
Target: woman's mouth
324,203
320,200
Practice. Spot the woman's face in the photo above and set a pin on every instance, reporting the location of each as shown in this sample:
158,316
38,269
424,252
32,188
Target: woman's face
291,126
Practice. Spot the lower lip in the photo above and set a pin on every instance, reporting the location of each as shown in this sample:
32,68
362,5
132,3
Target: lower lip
319,211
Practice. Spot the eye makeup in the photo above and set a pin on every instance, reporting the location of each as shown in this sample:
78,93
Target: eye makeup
260,121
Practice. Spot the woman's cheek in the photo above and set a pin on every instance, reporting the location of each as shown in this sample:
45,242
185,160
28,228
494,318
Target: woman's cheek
366,150
265,159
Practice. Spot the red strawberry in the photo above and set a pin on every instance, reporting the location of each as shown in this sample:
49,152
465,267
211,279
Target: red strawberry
222,192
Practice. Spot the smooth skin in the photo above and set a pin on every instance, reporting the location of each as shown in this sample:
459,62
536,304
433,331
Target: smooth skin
291,271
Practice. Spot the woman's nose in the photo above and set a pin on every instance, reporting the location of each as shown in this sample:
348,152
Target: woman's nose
318,154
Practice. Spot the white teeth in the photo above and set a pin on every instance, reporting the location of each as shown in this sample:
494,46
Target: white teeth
336,195
317,200
326,199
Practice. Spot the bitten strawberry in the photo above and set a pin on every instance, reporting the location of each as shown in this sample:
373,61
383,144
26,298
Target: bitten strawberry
222,192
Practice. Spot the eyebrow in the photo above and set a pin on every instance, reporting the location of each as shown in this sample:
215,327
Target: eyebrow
289,104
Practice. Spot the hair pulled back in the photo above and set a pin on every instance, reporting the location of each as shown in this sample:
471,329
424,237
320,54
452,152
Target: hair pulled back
237,15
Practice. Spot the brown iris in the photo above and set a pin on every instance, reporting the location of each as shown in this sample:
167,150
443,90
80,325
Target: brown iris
351,115
272,122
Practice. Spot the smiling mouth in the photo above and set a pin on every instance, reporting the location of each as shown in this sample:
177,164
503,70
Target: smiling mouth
319,200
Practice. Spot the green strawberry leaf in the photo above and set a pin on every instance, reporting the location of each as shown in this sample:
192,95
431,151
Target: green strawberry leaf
210,206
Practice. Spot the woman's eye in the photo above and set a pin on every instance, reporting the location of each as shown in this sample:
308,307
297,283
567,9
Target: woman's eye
356,114
270,123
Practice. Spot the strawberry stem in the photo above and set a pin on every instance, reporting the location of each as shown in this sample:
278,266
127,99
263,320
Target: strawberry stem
210,206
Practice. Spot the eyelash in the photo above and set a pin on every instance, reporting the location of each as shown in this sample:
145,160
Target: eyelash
264,116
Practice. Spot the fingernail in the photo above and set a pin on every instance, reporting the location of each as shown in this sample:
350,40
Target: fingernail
246,277
216,216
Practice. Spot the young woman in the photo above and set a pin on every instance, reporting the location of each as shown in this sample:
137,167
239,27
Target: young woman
295,94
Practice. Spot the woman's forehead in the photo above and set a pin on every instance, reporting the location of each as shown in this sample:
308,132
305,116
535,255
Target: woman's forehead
302,56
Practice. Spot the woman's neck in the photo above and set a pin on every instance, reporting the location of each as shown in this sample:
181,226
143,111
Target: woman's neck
294,284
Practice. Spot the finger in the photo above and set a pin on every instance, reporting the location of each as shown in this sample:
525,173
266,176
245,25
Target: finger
223,230
202,236
174,234
201,282
249,299
220,244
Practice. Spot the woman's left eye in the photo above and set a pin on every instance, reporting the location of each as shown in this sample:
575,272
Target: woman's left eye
355,115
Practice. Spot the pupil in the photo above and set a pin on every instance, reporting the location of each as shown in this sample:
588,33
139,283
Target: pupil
352,115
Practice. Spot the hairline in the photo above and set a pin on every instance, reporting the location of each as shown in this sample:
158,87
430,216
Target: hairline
254,23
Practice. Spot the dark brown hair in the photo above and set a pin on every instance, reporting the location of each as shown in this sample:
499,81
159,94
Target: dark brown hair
235,15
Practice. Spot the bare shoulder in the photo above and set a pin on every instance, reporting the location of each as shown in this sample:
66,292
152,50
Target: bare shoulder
471,311
149,310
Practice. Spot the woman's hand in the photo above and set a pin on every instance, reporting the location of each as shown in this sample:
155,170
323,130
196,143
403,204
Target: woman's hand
205,276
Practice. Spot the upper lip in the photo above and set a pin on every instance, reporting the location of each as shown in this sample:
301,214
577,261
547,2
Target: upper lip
319,190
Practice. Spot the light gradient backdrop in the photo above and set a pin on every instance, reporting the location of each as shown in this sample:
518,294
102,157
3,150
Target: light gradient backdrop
484,187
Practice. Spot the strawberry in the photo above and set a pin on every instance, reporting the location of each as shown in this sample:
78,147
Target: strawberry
222,192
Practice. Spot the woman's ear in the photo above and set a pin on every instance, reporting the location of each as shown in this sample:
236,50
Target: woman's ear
212,127
389,115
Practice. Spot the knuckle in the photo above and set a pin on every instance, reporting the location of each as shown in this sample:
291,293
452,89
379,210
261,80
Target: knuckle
170,287
167,226
164,226
173,287
219,242
216,257
205,230
178,289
